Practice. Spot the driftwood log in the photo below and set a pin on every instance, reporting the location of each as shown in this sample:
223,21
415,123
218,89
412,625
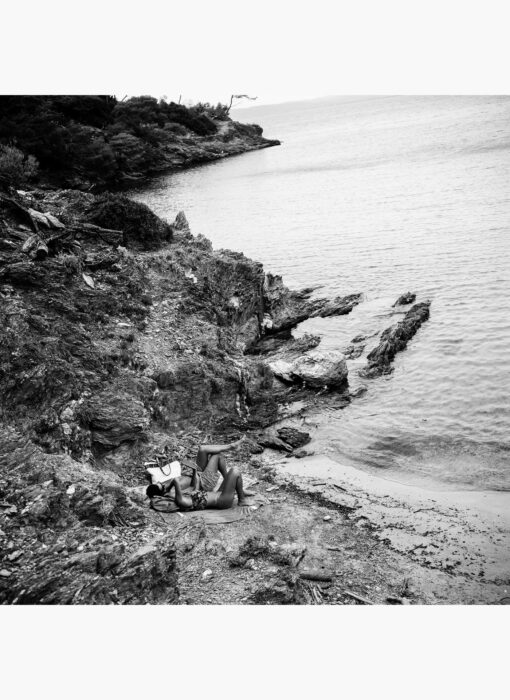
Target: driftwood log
316,575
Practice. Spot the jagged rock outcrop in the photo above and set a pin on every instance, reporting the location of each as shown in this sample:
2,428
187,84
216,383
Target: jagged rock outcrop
181,224
284,309
274,443
395,339
115,419
82,317
284,341
260,394
295,438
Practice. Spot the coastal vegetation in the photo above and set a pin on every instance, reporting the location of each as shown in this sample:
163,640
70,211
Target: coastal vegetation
99,141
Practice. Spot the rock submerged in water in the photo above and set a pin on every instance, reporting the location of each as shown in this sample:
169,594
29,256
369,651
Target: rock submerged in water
407,298
339,306
353,351
394,339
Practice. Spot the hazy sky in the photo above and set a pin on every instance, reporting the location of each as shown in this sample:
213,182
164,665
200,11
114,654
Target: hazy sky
276,50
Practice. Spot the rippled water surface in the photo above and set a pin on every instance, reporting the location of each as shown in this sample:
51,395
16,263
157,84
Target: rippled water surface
384,195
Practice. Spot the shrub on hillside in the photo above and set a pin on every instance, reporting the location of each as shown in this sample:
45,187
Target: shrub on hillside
94,110
89,155
201,124
132,154
16,168
141,227
220,111
138,110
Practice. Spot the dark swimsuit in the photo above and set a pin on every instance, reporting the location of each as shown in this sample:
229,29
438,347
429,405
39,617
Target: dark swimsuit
198,500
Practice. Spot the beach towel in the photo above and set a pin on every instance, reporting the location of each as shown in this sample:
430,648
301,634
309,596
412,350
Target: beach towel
211,516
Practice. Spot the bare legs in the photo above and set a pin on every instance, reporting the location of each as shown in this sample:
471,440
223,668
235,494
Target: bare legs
207,451
217,463
210,461
233,484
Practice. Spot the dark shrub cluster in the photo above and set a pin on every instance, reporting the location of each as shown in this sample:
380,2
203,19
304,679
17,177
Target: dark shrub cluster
141,227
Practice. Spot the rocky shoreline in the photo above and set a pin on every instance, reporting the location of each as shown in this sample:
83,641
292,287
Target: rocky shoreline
125,336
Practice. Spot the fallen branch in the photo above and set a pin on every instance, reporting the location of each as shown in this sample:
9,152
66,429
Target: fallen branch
111,236
360,598
317,595
23,213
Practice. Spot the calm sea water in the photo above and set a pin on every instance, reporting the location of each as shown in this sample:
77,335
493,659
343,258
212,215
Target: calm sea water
385,195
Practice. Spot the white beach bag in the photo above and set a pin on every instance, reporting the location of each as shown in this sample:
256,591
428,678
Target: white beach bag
157,474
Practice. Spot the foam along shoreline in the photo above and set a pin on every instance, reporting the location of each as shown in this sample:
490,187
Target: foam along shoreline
465,533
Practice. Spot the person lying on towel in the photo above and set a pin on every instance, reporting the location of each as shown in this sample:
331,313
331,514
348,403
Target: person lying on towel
197,499
210,463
